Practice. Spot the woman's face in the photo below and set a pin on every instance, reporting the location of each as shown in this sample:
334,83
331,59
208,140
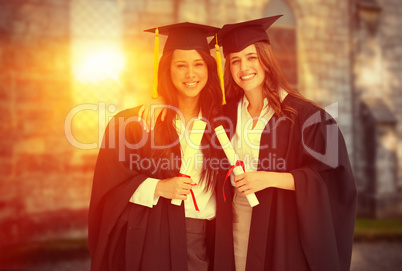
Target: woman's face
189,73
246,69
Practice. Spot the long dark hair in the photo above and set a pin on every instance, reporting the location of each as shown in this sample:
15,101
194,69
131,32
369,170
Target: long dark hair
274,81
210,105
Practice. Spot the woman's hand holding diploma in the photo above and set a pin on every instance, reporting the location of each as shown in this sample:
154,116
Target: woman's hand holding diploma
174,188
233,158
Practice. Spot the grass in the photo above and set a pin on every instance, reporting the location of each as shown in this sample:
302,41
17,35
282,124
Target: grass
378,229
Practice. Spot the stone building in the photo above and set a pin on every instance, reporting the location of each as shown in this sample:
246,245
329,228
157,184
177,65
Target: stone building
68,65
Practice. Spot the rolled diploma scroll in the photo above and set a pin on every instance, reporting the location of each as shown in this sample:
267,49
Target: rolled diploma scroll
194,140
232,157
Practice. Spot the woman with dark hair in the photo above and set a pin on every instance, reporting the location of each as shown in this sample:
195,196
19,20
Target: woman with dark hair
295,159
133,223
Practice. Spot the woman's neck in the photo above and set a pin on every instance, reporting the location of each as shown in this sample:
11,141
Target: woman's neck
190,108
256,102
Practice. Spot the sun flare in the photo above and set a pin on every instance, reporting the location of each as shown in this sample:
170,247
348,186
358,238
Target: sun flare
100,65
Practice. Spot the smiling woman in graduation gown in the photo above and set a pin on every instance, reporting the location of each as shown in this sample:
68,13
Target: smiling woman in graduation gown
310,228
302,179
124,235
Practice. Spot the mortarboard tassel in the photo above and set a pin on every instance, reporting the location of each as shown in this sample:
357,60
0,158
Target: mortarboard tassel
156,65
220,70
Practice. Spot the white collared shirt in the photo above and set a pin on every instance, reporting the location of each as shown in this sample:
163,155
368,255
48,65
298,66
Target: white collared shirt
145,193
246,140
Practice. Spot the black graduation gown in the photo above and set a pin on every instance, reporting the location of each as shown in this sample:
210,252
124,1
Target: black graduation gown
312,227
127,236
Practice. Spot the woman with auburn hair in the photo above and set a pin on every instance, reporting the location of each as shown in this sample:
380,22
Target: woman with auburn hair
295,160
133,222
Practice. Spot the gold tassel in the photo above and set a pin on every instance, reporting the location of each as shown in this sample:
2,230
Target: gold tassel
156,65
220,70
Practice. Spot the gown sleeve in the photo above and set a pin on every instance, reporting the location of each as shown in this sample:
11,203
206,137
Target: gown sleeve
115,180
325,193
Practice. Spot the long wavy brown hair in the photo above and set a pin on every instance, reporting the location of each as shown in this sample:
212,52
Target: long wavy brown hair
274,81
210,102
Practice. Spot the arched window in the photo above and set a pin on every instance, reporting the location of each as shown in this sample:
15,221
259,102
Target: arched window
282,35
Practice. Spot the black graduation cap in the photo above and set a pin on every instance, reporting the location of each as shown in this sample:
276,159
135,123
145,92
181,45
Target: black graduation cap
236,37
186,36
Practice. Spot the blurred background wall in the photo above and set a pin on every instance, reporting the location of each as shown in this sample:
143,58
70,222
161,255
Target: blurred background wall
67,66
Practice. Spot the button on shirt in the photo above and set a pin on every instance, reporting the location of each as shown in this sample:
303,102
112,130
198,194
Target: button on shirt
145,193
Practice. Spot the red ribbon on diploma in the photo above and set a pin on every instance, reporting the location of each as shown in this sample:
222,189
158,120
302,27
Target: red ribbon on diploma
238,163
191,191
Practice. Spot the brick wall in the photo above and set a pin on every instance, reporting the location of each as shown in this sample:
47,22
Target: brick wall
40,188
390,40
377,68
